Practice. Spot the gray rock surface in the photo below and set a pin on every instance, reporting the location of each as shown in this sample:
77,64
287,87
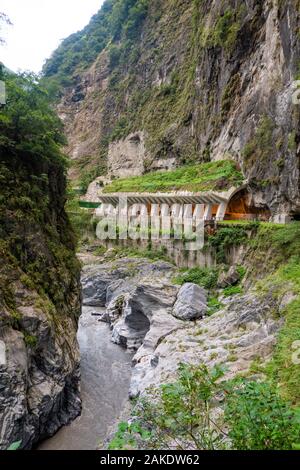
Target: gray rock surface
132,290
191,302
40,380
235,336
229,278
140,309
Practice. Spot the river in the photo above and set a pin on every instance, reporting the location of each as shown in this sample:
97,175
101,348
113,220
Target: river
105,378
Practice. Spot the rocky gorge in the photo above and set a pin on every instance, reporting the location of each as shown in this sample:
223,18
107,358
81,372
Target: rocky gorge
168,83
164,324
158,97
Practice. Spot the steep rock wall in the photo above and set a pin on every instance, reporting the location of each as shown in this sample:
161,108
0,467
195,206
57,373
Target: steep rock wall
202,80
39,303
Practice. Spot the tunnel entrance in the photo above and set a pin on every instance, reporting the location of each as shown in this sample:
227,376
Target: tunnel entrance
241,207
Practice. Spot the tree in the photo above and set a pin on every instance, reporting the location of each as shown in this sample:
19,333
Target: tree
180,414
29,128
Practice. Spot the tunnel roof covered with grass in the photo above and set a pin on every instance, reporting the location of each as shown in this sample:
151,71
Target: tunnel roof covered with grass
212,176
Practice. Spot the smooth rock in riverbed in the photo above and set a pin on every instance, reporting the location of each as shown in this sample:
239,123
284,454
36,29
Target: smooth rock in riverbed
139,308
191,302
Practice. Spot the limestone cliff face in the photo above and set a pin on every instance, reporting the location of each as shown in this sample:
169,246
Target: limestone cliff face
39,303
202,80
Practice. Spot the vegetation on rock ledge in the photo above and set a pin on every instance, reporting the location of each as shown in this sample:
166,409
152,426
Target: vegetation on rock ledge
217,176
37,243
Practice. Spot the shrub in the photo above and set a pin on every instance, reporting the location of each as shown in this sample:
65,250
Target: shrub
204,277
232,290
183,415
30,340
259,419
228,236
214,305
179,413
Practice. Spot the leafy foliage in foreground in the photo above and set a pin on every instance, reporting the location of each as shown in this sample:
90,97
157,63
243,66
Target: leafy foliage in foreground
202,411
15,445
259,419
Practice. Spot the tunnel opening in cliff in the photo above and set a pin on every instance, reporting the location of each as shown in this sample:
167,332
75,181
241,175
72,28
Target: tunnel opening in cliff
295,216
242,207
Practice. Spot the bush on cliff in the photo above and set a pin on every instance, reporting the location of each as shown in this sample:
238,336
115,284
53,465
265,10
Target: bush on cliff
202,411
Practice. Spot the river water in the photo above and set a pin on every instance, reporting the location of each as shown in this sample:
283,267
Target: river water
105,378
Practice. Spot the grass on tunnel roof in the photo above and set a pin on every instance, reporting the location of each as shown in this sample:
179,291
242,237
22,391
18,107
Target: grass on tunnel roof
212,176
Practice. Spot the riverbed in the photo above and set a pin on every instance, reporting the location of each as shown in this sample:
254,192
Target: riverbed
105,379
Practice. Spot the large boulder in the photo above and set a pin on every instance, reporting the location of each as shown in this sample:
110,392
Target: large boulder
191,302
138,310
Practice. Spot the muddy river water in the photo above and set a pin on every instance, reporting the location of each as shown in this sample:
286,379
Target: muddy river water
105,378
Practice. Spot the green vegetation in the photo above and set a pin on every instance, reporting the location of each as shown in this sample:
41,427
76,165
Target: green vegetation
36,240
30,340
28,125
274,257
125,437
292,142
214,305
136,252
259,419
228,236
232,290
117,20
216,176
87,176
15,445
204,277
226,29
283,369
182,414
80,218
100,251
261,146
229,93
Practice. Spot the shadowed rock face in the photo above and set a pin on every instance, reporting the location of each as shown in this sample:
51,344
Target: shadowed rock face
39,385
135,291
